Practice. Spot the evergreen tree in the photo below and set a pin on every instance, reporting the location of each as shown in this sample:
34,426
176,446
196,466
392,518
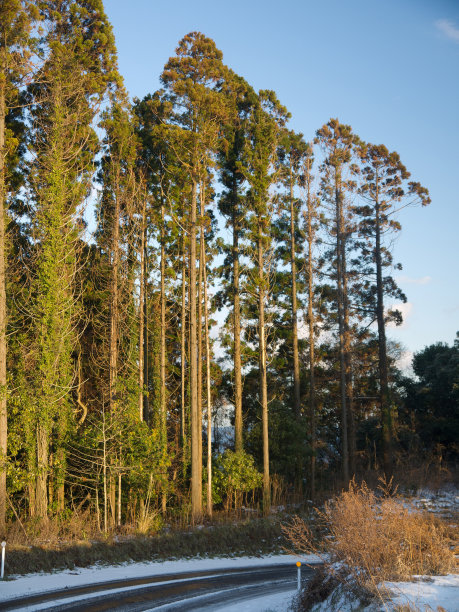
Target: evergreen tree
191,79
338,142
79,63
263,130
17,18
384,189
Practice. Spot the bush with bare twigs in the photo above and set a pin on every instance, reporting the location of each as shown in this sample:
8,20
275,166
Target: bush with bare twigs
370,538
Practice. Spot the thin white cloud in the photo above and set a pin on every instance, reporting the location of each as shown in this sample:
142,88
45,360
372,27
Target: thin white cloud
448,28
424,280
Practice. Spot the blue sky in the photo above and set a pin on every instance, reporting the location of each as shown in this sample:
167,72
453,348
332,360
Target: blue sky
388,68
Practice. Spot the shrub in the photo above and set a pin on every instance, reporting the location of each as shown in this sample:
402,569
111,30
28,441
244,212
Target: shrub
371,539
234,475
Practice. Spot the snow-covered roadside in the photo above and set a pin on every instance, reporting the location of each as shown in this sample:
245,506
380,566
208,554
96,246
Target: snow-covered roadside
21,586
427,591
426,594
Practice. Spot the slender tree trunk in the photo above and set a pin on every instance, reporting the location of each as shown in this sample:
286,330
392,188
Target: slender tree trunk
119,499
296,363
200,361
196,458
263,375
183,423
146,406
114,315
312,387
203,273
163,415
60,478
41,492
209,396
163,422
348,366
340,300
142,318
238,445
384,393
3,406
104,431
114,333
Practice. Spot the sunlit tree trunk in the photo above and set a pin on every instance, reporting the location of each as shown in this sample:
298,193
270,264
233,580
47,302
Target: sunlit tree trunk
263,374
196,457
238,443
3,412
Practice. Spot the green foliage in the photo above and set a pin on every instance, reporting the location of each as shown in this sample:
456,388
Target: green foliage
433,399
234,474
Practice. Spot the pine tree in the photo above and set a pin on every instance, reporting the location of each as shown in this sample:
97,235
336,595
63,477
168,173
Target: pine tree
338,141
384,189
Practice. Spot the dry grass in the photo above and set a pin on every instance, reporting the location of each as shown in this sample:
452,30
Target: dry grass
374,538
256,537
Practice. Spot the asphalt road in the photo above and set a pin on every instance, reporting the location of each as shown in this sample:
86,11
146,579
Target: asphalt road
203,590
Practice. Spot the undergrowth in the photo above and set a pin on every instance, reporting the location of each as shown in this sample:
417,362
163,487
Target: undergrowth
255,537
370,538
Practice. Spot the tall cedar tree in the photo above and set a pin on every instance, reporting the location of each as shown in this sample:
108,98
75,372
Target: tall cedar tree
291,153
191,79
231,205
263,128
338,141
384,189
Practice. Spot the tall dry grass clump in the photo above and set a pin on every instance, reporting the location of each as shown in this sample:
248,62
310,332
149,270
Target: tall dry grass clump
377,538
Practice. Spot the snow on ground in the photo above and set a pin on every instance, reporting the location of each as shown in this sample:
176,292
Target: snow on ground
21,586
444,502
428,591
425,594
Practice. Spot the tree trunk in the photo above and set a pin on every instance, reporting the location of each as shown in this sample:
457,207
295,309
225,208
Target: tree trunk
312,389
114,323
3,407
163,415
183,423
146,406
209,397
348,366
263,375
163,422
238,445
200,362
41,489
340,301
296,362
384,393
141,317
196,458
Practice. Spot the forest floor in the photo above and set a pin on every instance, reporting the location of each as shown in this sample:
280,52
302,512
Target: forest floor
255,537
